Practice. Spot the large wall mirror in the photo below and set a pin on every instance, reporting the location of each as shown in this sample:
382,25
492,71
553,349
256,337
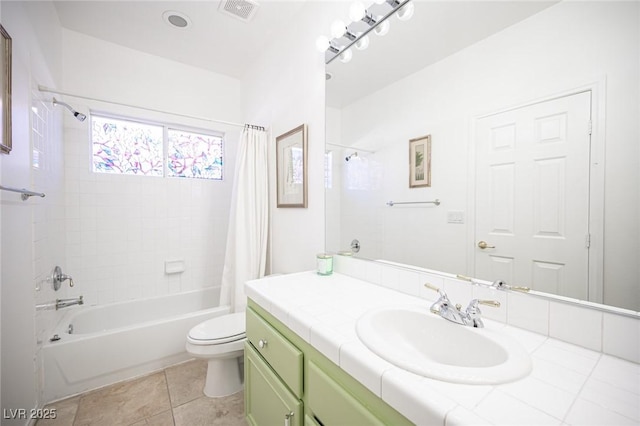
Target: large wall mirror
533,113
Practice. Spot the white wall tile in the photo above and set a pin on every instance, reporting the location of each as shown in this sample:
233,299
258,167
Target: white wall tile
528,312
621,337
577,325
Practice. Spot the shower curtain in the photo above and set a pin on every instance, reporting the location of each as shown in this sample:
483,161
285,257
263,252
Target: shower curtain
248,233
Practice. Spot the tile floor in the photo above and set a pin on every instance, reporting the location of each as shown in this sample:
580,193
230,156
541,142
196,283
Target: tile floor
172,397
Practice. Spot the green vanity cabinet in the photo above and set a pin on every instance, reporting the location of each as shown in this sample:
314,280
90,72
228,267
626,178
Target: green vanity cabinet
267,400
289,382
331,404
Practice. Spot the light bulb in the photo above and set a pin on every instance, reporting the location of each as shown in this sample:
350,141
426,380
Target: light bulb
362,43
322,43
345,56
357,11
382,28
338,28
406,12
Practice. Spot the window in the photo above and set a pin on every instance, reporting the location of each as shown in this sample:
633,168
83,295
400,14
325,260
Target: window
194,155
133,148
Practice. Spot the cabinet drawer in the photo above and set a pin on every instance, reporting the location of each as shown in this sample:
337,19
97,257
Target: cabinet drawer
330,404
285,359
267,401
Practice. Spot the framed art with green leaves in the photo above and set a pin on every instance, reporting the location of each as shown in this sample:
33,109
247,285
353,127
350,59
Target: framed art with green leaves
420,162
5,91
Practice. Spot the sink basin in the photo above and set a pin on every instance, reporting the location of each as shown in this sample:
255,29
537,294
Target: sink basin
419,341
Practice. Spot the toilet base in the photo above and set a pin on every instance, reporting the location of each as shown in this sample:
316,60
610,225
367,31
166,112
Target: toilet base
223,377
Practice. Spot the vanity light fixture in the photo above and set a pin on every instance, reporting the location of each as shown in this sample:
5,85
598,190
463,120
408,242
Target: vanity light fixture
363,20
406,12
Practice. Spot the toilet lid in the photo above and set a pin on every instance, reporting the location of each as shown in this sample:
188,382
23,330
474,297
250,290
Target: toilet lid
222,329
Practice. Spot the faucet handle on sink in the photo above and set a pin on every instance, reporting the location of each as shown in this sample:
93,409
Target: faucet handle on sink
432,287
473,311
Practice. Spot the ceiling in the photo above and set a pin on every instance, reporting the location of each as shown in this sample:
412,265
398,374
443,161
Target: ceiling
437,29
214,41
224,44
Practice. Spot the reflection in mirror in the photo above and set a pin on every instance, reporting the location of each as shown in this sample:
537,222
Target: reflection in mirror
522,101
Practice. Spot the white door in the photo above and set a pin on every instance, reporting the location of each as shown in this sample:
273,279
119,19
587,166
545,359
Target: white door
532,196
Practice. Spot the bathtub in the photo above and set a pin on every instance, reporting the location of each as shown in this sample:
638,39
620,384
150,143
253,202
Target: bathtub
101,345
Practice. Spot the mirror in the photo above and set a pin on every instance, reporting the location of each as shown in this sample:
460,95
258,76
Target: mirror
453,72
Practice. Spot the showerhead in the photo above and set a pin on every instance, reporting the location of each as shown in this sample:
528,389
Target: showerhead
80,116
349,157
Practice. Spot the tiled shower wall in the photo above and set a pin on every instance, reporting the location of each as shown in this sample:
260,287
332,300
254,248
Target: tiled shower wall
122,229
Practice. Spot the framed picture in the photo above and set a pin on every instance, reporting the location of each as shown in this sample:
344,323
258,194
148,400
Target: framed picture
291,167
420,162
5,91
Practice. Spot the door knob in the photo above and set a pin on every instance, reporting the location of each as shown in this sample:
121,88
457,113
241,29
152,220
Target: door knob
483,245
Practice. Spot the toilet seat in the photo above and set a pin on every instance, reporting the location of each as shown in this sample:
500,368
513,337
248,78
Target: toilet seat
219,330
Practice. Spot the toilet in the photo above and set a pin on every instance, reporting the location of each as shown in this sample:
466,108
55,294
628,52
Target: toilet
220,340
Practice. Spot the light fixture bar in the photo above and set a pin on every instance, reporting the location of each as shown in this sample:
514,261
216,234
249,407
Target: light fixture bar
330,55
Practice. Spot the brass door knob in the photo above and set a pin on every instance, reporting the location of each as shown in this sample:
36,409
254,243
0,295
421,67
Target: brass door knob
483,245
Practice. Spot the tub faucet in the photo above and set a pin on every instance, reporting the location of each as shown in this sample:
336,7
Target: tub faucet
470,316
65,303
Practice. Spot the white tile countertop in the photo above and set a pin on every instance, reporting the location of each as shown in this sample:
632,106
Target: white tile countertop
569,384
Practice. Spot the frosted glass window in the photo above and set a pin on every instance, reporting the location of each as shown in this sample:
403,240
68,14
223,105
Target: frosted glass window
194,155
126,147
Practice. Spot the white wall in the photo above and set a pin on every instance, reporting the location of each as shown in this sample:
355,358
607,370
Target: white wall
121,229
564,47
32,230
284,89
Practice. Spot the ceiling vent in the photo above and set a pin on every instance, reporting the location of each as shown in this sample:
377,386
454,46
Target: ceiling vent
240,9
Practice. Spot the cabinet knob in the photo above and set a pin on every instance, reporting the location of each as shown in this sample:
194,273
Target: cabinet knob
262,343
287,419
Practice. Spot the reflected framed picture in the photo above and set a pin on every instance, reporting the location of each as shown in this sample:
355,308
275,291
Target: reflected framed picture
420,162
5,91
291,167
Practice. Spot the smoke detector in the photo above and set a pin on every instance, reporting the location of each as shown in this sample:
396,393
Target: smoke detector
239,9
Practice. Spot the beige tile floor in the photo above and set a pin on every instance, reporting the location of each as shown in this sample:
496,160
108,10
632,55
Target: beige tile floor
172,397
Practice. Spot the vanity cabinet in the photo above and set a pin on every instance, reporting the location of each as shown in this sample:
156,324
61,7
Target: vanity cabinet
267,400
288,382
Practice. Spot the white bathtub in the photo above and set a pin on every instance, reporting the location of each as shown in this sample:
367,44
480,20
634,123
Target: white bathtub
122,340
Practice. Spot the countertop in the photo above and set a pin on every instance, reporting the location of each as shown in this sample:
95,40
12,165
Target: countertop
568,384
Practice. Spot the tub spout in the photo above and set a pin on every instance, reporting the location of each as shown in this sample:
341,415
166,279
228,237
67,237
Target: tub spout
64,303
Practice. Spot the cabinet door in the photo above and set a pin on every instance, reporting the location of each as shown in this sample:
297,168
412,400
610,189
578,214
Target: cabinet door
267,400
281,355
330,404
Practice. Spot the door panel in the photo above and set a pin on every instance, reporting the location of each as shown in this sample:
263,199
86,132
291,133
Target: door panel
532,198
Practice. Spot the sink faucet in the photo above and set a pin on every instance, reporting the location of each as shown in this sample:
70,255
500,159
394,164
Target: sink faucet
470,316
64,303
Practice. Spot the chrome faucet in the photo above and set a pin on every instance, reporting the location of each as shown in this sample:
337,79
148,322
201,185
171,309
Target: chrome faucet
496,285
470,316
65,303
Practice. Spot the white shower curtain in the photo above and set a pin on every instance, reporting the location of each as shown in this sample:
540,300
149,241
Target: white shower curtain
248,233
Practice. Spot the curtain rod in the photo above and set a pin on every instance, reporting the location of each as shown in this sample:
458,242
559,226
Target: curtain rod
60,92
355,148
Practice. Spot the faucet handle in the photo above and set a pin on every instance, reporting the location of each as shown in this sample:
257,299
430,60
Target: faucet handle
501,285
432,287
492,303
473,307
